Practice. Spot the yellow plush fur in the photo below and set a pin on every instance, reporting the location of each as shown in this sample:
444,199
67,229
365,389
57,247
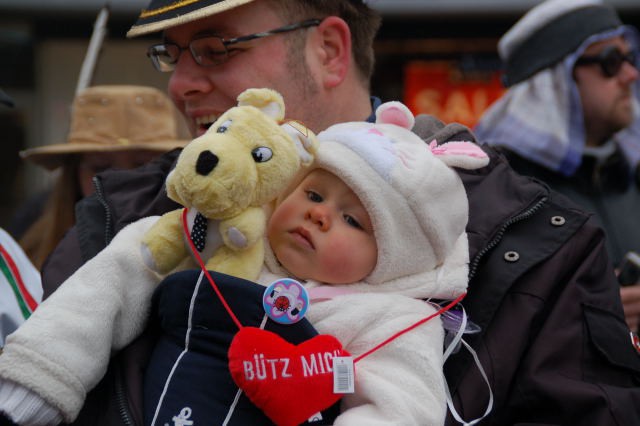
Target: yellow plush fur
245,159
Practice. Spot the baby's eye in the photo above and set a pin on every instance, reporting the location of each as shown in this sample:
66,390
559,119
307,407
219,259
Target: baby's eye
314,196
351,221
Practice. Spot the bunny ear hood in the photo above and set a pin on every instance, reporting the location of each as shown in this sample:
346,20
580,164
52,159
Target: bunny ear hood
416,201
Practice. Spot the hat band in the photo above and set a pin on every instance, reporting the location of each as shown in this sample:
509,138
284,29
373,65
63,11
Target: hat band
172,6
557,39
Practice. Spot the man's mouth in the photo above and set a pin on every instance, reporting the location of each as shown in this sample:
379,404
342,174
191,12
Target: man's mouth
203,122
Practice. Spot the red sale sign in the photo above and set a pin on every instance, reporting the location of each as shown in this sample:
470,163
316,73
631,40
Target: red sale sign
441,89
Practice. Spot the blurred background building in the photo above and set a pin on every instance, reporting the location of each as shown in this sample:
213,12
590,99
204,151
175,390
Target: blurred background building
438,56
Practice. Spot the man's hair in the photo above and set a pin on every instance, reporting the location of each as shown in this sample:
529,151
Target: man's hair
363,22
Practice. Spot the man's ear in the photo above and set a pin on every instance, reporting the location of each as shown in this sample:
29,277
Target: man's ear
331,47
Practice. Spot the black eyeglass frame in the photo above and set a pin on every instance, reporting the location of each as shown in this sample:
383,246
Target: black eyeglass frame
610,60
154,51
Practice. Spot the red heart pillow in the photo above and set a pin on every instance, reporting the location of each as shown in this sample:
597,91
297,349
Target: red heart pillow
288,383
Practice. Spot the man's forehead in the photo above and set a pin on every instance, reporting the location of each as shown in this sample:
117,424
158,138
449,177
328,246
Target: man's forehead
197,28
228,24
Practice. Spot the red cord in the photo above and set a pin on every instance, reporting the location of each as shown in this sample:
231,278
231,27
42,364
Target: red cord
401,332
240,326
206,272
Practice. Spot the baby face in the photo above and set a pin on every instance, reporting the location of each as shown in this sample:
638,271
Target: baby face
321,231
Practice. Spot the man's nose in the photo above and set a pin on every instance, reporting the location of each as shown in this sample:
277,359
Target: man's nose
630,71
188,78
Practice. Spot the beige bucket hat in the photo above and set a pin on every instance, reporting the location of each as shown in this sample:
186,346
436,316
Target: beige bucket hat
114,118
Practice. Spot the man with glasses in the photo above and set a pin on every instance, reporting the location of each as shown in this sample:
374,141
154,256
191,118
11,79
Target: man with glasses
321,65
541,287
571,116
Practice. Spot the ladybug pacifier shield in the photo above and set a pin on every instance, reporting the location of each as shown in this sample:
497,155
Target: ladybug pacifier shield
289,383
285,301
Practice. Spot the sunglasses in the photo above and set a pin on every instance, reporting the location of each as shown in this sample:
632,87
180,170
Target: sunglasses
610,60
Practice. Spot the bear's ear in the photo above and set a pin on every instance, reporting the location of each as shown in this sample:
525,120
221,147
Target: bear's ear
395,113
268,101
304,139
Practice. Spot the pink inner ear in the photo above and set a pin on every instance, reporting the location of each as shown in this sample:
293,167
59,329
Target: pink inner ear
394,115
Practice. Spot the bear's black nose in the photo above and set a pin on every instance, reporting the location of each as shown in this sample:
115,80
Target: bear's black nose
207,161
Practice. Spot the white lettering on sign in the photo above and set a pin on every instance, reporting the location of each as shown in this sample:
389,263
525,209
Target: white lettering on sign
262,368
318,363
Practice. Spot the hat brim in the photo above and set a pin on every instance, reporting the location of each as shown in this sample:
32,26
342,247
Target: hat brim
6,99
163,14
53,156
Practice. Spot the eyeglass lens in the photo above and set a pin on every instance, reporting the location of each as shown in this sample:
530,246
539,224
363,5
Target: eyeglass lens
612,62
211,50
206,51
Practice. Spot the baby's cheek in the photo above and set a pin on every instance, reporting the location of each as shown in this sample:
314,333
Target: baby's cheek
346,263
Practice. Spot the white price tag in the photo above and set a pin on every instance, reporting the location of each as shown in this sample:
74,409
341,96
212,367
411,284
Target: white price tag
343,375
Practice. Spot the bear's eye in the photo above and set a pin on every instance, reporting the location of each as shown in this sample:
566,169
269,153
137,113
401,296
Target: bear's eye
224,126
261,154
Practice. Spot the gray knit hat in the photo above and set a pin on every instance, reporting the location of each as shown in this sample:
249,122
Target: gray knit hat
416,201
549,32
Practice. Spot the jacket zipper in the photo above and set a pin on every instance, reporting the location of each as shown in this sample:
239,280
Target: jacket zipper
108,217
473,265
120,395
121,400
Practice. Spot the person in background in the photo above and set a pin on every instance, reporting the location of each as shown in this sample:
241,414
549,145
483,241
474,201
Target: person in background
571,115
553,340
112,127
20,286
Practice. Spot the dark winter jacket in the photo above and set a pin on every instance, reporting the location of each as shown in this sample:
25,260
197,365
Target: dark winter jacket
554,343
605,187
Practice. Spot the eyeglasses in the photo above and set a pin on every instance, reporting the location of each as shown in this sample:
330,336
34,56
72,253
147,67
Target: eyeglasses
209,51
610,60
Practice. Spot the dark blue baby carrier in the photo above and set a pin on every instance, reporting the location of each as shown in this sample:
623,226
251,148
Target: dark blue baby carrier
188,381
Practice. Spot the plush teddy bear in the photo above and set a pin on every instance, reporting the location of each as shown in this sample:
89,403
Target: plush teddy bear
224,178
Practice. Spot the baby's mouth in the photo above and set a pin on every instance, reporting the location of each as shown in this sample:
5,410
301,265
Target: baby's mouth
304,236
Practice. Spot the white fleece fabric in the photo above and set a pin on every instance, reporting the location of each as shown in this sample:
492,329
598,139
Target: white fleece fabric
403,382
63,349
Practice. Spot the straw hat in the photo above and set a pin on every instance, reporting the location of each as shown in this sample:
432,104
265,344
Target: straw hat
114,118
163,14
